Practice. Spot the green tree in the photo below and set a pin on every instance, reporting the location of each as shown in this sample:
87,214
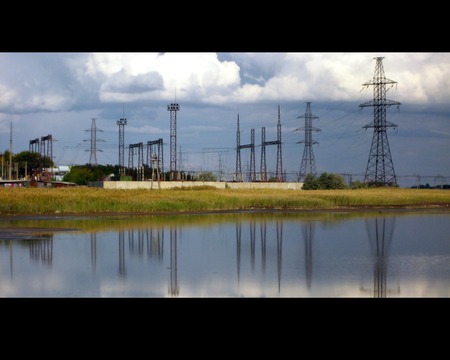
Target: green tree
358,185
30,163
80,175
83,174
310,183
326,181
330,181
206,176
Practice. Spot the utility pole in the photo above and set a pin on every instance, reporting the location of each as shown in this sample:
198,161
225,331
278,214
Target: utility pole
380,168
308,165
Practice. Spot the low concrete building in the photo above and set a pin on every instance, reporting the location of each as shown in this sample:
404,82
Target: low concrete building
155,185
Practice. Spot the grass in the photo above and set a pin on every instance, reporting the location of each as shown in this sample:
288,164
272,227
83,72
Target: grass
85,200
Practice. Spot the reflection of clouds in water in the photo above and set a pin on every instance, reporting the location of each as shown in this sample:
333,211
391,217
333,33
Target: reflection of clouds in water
299,258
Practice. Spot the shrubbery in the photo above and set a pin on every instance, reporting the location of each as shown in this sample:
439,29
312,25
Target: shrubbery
326,181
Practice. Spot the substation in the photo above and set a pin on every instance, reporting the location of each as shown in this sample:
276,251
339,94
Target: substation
145,165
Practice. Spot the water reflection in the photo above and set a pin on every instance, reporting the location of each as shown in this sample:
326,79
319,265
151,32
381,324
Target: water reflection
174,289
380,232
228,255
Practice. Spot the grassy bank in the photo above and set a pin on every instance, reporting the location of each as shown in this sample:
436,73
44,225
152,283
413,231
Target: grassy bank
81,200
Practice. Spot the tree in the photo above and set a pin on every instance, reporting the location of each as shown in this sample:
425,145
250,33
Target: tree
326,181
30,163
310,183
206,176
83,174
331,181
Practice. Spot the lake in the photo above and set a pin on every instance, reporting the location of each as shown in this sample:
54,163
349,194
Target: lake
251,254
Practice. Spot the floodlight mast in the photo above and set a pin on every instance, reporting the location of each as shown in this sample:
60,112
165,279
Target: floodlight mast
122,122
173,108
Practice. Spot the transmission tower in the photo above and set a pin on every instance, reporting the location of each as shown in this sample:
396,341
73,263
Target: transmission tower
93,139
380,169
308,165
122,122
173,108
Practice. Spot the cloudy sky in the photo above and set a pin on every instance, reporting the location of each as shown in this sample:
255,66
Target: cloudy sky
60,93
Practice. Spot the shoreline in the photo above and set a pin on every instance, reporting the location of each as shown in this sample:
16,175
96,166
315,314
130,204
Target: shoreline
350,209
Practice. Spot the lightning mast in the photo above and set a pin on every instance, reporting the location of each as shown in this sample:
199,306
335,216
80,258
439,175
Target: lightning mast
380,168
252,171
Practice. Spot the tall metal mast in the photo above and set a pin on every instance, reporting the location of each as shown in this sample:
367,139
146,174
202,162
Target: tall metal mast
308,165
380,168
173,108
122,122
94,149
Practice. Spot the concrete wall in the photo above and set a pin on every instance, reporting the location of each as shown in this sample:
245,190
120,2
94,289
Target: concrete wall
218,184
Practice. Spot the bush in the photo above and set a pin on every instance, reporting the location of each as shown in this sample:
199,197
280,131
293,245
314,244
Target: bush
326,181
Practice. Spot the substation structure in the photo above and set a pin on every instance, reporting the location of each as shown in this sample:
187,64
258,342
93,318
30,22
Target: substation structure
279,176
153,161
44,147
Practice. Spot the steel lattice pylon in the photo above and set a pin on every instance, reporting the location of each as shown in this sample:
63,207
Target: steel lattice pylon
380,168
122,122
308,165
93,140
173,108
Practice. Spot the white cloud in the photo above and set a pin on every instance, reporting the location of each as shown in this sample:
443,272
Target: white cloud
45,93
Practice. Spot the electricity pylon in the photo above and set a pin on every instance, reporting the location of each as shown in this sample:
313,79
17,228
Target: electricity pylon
308,165
380,168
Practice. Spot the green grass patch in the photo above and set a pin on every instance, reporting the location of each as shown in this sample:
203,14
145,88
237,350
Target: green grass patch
85,200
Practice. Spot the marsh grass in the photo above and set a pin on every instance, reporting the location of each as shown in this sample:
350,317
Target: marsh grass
85,200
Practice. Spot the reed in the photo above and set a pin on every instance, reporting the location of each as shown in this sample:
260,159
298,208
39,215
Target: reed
86,200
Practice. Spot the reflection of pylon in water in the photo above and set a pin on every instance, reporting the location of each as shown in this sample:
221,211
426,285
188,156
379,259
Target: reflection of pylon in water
279,251
174,289
380,232
308,234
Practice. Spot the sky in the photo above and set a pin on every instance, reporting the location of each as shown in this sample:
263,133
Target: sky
60,93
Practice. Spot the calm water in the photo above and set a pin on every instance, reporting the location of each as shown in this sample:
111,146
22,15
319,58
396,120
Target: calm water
262,254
